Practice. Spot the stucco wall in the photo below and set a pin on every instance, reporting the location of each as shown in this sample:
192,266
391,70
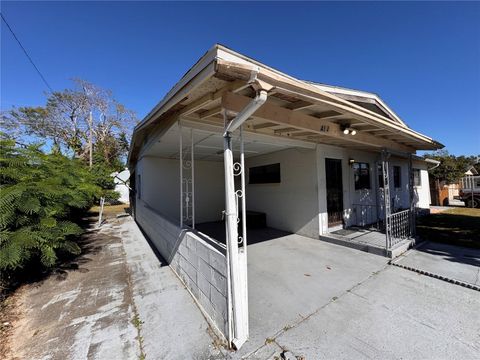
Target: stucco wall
197,260
292,204
160,187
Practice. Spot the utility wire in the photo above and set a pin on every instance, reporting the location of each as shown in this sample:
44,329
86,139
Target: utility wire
26,54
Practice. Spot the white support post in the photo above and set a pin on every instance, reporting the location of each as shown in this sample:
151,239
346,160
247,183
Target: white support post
193,177
412,197
243,250
236,258
180,162
386,198
242,177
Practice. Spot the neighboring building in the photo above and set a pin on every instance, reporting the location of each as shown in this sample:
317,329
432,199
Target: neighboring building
237,144
121,185
471,171
457,194
469,188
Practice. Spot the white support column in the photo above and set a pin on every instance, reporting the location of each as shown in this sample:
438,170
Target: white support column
192,152
186,179
180,162
242,176
236,257
243,250
411,191
386,196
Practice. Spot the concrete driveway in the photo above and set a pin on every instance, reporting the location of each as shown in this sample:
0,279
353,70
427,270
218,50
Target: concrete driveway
318,300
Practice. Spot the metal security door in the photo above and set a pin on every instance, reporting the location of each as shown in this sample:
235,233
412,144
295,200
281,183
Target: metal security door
333,173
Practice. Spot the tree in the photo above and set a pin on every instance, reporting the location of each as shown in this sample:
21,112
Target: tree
60,120
80,121
40,196
451,167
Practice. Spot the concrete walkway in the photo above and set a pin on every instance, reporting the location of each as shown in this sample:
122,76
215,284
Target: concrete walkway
116,301
172,325
453,262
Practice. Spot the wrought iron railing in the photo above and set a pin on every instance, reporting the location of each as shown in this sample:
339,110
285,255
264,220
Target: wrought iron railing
400,227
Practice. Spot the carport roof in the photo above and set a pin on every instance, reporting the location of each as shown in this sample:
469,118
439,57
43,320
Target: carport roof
296,109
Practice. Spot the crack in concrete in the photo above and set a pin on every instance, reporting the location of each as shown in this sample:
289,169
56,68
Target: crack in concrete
287,327
136,321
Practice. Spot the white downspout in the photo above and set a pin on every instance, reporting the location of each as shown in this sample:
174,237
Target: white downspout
435,163
247,111
238,294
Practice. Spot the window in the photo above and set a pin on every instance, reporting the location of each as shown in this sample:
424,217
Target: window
361,175
417,180
139,187
397,175
266,174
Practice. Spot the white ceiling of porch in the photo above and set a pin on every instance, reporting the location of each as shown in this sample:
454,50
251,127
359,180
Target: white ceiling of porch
209,144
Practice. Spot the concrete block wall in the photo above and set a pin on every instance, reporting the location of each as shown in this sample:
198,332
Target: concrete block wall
197,260
162,231
203,269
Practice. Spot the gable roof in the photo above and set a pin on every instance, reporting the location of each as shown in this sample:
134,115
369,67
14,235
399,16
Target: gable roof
222,68
367,100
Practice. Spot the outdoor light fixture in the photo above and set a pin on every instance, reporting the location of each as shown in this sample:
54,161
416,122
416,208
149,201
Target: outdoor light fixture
348,130
351,161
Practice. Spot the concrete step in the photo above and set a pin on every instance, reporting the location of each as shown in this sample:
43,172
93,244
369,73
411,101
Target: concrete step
344,241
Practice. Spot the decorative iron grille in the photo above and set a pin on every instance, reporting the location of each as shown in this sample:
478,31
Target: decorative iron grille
400,227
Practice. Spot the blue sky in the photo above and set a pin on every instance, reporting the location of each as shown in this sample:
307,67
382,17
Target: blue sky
423,59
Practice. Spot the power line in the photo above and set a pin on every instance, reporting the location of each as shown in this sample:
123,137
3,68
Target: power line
26,54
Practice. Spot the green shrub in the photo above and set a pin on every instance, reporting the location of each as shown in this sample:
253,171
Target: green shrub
39,195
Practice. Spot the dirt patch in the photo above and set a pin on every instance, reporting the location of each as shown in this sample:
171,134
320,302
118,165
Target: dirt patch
109,211
10,312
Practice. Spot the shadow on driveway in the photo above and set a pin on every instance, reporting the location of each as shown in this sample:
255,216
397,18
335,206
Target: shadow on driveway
453,262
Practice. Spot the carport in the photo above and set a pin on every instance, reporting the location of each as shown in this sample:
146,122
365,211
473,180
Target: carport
186,183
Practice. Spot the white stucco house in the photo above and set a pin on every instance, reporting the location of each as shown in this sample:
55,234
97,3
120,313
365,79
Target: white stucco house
121,179
236,144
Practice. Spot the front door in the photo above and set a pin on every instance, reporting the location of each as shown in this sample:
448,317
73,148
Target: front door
333,172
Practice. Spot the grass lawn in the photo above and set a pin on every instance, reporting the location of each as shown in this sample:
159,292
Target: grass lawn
109,211
456,226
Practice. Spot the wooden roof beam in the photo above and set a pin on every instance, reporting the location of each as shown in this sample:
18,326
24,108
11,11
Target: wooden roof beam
206,114
196,105
299,105
285,130
279,115
264,125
